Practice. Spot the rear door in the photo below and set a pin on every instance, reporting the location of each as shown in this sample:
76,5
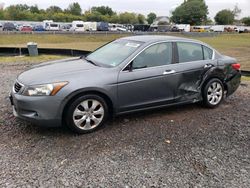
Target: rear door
194,60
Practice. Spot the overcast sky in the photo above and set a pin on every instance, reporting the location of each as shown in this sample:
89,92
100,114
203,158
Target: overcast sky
160,7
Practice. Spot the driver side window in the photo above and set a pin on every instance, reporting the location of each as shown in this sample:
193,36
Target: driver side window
155,55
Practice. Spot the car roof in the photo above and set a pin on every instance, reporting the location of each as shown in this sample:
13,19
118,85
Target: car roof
158,38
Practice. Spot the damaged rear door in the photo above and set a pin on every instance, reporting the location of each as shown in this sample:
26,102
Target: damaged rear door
193,61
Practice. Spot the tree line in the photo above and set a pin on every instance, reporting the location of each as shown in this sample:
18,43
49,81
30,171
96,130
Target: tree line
193,12
73,12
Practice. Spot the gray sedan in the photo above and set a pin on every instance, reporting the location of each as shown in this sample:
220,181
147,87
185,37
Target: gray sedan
126,75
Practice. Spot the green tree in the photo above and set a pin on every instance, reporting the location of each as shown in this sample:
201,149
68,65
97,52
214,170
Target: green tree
114,18
22,7
1,14
246,21
16,12
93,16
75,9
104,10
141,19
54,9
193,12
34,9
151,17
224,17
128,18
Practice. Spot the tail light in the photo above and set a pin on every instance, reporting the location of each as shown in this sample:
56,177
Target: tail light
236,66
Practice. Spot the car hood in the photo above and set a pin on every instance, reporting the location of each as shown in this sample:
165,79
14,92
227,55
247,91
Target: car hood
55,71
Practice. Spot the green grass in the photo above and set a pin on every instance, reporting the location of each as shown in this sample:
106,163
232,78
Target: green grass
245,78
72,41
28,59
235,45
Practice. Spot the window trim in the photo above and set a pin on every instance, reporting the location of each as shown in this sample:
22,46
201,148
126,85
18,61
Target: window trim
145,48
177,52
203,51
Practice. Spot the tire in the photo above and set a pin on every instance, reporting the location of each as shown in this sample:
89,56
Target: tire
213,93
86,114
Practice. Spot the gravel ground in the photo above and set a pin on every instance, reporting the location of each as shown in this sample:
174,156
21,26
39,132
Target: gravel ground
185,146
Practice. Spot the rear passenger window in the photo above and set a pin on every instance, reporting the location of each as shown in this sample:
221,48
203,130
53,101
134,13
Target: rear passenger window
208,53
189,52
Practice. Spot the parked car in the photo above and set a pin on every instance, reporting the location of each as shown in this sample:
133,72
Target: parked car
18,27
26,28
126,75
175,29
8,26
38,28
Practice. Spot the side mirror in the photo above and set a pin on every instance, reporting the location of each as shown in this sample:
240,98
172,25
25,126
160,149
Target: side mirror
129,67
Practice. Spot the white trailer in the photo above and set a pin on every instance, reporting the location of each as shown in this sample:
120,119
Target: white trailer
91,26
46,23
217,28
49,25
78,26
183,27
117,27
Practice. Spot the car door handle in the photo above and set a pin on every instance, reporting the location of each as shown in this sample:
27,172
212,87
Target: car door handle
208,66
168,72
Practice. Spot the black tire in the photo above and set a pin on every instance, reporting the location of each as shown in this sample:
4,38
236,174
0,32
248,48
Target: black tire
75,104
207,94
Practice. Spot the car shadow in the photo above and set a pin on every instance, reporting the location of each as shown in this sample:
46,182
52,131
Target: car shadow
115,122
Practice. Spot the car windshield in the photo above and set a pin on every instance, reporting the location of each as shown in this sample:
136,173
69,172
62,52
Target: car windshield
114,53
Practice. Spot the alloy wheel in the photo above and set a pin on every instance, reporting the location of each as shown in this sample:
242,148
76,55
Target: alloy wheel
88,114
214,93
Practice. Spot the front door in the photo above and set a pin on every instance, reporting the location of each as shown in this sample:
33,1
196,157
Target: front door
148,80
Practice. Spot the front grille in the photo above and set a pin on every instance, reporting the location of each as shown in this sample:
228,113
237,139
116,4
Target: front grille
17,87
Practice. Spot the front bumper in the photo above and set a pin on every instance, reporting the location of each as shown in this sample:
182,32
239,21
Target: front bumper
40,110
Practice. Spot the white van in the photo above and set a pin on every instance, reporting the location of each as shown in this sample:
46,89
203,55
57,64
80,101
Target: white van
78,26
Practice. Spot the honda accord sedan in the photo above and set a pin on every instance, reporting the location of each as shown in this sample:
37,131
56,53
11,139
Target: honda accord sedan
126,75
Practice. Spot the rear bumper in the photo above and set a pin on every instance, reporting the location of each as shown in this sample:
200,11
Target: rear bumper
233,83
42,111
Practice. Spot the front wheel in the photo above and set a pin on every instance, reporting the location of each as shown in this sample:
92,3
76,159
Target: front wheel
86,114
213,93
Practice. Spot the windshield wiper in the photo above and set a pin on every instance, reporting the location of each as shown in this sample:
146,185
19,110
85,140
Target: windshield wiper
90,61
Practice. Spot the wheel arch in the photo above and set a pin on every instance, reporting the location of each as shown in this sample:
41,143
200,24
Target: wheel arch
211,74
77,94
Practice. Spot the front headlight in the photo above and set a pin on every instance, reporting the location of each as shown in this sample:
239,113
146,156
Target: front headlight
45,89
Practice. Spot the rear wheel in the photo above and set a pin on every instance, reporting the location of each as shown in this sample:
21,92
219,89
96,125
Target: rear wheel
213,93
86,114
